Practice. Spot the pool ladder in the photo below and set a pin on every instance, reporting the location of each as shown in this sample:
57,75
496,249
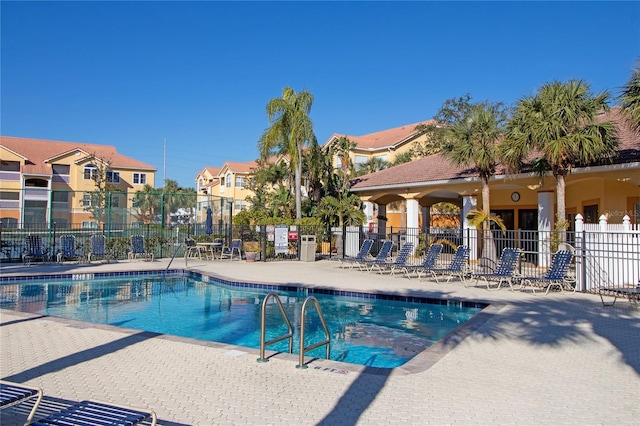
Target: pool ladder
289,335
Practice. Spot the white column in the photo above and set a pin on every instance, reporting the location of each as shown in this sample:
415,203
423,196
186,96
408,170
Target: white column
470,202
545,226
413,210
368,210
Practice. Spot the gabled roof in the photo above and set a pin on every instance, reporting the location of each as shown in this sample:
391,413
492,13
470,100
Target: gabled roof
245,168
39,154
212,171
436,168
383,139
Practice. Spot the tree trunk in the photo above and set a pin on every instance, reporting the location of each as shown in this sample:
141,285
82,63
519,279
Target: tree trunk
488,244
562,214
560,197
298,185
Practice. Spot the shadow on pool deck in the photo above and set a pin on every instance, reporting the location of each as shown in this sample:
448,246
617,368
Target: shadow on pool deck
355,400
80,357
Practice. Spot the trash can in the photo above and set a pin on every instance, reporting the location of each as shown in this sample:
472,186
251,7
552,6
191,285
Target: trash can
308,248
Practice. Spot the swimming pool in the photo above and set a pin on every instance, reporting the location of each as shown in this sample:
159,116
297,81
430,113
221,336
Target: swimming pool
374,330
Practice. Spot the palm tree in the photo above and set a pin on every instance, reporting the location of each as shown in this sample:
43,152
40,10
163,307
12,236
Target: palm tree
147,201
559,123
175,198
291,128
470,138
344,209
341,148
280,203
630,98
316,167
372,165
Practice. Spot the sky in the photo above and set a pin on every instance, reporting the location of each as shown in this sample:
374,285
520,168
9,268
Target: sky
184,85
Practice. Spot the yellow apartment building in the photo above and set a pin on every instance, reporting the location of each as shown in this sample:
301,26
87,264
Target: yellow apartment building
385,144
224,189
45,182
206,185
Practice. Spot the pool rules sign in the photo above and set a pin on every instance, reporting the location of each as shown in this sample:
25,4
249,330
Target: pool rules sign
281,239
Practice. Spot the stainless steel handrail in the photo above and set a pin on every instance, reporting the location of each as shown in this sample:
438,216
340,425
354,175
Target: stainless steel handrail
326,342
263,343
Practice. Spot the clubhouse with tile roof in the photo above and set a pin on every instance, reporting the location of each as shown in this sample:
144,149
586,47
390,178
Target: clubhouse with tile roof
524,200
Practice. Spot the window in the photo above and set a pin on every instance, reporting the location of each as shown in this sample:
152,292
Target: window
36,183
382,157
139,178
360,159
86,200
8,223
591,214
61,169
240,182
60,196
90,172
9,166
113,177
14,196
89,225
228,180
115,201
240,205
9,200
61,222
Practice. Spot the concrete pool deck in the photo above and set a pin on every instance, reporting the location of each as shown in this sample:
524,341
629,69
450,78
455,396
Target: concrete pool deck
555,359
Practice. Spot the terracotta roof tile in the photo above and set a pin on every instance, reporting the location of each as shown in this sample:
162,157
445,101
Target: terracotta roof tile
37,151
629,140
383,138
247,167
213,171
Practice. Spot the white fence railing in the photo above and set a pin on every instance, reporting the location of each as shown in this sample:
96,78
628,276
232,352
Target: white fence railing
609,254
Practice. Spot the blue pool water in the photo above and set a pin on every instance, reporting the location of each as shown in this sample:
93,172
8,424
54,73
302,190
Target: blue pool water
364,330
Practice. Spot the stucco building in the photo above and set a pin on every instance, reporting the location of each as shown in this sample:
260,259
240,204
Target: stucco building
45,181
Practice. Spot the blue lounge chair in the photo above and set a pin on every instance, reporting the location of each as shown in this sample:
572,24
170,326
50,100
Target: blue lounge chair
458,267
381,257
503,273
138,250
398,263
556,276
34,250
97,248
363,254
96,413
429,262
232,250
14,393
67,249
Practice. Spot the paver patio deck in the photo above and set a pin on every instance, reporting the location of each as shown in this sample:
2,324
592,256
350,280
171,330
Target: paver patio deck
556,359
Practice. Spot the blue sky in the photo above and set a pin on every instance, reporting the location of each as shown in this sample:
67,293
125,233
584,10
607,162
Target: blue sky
199,74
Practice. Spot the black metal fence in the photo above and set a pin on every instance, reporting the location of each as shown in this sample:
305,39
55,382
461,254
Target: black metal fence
603,258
